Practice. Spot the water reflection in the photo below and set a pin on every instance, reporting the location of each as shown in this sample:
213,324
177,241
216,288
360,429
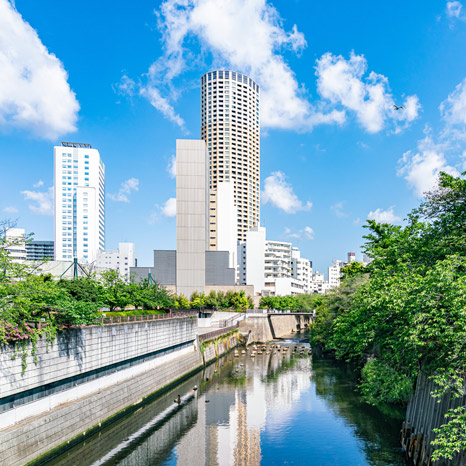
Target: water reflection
280,407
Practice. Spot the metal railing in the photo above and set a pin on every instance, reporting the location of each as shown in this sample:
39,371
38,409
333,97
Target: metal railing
146,318
233,320
215,333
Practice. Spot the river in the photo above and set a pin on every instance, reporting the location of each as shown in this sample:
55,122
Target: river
280,407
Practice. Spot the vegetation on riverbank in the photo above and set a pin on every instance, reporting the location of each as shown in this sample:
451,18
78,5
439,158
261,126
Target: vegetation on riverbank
406,311
292,303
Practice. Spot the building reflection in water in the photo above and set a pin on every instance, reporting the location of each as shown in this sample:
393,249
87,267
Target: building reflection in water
228,428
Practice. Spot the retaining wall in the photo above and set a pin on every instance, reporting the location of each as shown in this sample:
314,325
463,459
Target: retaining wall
85,350
26,442
425,413
265,327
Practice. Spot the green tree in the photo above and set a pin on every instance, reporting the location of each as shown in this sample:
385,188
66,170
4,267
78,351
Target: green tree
116,293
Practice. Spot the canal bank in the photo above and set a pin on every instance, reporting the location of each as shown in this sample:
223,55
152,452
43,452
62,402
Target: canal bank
278,407
89,378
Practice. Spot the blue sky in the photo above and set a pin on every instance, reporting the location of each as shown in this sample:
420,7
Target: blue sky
124,76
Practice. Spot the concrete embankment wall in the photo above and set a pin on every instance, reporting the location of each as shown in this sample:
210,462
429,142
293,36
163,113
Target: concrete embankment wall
425,413
214,350
161,354
265,327
86,352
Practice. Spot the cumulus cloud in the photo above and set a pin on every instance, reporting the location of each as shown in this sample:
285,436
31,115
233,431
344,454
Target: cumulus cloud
280,194
42,201
169,208
171,168
338,210
39,184
126,188
10,210
223,28
454,9
306,233
422,167
34,90
453,108
342,82
383,216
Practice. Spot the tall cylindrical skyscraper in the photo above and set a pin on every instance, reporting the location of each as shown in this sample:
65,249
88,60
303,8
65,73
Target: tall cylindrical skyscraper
231,129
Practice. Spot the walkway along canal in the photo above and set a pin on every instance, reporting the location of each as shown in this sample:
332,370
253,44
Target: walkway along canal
276,407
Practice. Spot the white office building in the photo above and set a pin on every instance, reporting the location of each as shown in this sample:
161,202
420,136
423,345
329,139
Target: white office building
231,129
319,284
79,196
120,259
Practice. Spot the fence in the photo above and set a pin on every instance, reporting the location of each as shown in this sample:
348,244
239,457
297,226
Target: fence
215,333
146,318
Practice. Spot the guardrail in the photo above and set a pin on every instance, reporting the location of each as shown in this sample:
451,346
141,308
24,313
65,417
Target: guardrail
146,318
233,320
215,333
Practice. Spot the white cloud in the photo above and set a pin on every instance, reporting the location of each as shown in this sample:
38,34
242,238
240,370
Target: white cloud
43,201
421,169
338,210
453,109
39,184
126,86
384,216
223,29
306,233
280,193
10,210
342,82
126,188
159,102
169,208
454,9
171,168
34,90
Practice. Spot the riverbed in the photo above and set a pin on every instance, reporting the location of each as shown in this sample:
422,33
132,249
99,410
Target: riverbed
280,406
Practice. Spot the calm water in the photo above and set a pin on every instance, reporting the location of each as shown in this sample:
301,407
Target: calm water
274,409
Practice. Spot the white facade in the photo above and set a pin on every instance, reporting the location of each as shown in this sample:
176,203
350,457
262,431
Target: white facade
334,273
319,284
223,221
79,194
120,259
252,259
15,237
274,268
302,270
192,223
231,128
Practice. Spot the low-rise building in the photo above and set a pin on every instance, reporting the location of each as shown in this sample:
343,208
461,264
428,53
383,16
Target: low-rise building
121,259
39,250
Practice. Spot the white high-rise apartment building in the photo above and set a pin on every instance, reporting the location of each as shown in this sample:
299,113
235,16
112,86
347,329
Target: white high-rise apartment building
334,273
301,269
231,129
79,190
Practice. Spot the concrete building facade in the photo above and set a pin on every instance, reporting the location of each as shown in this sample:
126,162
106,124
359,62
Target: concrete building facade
79,198
39,250
121,259
16,243
230,127
191,220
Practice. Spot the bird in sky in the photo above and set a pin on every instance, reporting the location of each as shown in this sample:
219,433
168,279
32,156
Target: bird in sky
398,107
